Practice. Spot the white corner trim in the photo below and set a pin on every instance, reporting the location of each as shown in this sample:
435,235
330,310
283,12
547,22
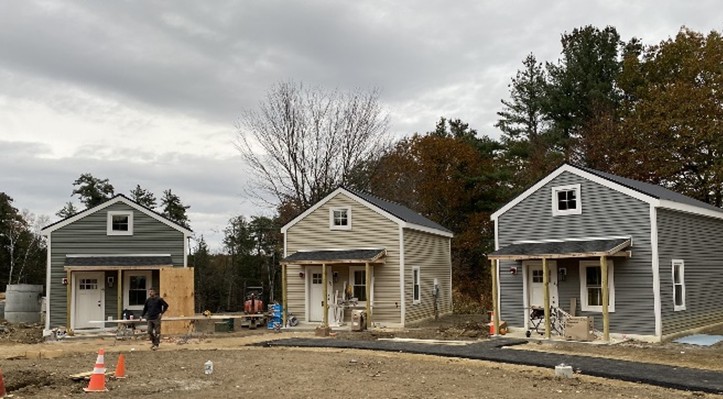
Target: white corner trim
655,264
48,282
579,172
402,306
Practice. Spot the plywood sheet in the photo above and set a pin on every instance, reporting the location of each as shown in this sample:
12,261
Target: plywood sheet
177,288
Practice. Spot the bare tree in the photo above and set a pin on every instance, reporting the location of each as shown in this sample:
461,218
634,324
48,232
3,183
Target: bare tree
301,143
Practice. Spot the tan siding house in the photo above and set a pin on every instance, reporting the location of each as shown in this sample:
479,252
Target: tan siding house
369,251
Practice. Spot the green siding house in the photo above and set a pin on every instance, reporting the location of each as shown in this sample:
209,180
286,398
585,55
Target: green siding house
375,255
102,261
656,255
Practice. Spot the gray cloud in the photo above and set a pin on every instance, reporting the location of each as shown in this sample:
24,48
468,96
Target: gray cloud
140,66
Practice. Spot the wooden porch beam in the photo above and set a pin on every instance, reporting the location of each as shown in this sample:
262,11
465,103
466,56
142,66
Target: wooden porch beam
325,302
119,288
605,298
368,287
546,303
283,294
495,311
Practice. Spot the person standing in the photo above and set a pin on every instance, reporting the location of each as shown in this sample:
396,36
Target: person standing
153,310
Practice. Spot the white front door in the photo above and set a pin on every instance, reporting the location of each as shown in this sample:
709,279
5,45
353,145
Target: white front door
316,293
535,286
89,300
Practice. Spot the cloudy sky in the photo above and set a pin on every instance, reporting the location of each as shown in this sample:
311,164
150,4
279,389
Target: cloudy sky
147,92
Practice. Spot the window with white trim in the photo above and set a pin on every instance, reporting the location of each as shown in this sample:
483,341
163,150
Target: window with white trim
359,284
120,223
416,285
566,200
340,218
136,286
678,284
591,286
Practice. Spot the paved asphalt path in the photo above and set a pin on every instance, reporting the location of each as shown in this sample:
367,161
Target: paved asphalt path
683,378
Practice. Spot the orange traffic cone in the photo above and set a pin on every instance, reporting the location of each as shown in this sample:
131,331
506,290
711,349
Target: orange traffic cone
2,385
97,379
120,368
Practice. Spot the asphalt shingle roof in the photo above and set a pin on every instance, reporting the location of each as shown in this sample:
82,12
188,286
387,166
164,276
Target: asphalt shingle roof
360,255
559,248
652,190
400,211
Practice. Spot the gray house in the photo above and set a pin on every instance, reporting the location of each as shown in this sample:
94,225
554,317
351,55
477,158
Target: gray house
102,260
367,253
643,261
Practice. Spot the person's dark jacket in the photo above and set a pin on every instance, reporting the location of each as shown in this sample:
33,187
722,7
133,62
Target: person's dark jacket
154,307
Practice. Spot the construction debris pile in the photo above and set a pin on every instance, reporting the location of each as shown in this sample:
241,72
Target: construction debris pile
20,333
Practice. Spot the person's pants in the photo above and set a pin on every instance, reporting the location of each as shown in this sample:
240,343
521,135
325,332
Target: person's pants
154,331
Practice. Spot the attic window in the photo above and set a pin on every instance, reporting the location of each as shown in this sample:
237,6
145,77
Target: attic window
566,200
120,223
340,218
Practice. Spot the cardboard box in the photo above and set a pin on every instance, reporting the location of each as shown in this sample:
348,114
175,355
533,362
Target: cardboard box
579,328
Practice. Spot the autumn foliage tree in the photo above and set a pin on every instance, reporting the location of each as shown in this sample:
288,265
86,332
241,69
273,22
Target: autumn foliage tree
447,176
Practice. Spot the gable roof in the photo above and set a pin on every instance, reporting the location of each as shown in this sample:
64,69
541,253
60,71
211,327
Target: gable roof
652,194
397,213
114,200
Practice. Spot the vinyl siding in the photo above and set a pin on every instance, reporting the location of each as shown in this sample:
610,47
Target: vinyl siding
698,241
88,236
431,253
605,213
369,230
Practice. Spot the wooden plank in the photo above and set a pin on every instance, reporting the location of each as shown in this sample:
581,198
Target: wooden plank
605,298
495,311
546,297
177,288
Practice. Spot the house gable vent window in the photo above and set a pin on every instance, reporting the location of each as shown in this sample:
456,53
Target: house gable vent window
591,286
566,200
340,218
678,285
120,223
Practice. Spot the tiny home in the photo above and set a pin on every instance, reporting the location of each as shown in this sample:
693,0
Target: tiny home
641,260
102,261
353,250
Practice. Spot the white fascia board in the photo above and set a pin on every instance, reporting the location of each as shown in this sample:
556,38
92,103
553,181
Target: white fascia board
585,175
677,206
425,229
120,198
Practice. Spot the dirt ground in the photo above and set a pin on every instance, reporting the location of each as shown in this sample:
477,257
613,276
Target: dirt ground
33,370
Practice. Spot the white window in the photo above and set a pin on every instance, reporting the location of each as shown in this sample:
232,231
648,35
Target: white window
88,284
136,286
340,218
120,223
678,284
416,285
566,200
359,284
591,286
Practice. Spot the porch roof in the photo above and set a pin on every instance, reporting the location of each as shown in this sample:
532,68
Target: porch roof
375,255
564,249
117,262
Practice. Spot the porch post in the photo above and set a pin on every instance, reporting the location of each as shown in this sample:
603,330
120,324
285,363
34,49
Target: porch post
495,311
605,297
325,292
546,303
68,293
368,288
283,295
119,287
